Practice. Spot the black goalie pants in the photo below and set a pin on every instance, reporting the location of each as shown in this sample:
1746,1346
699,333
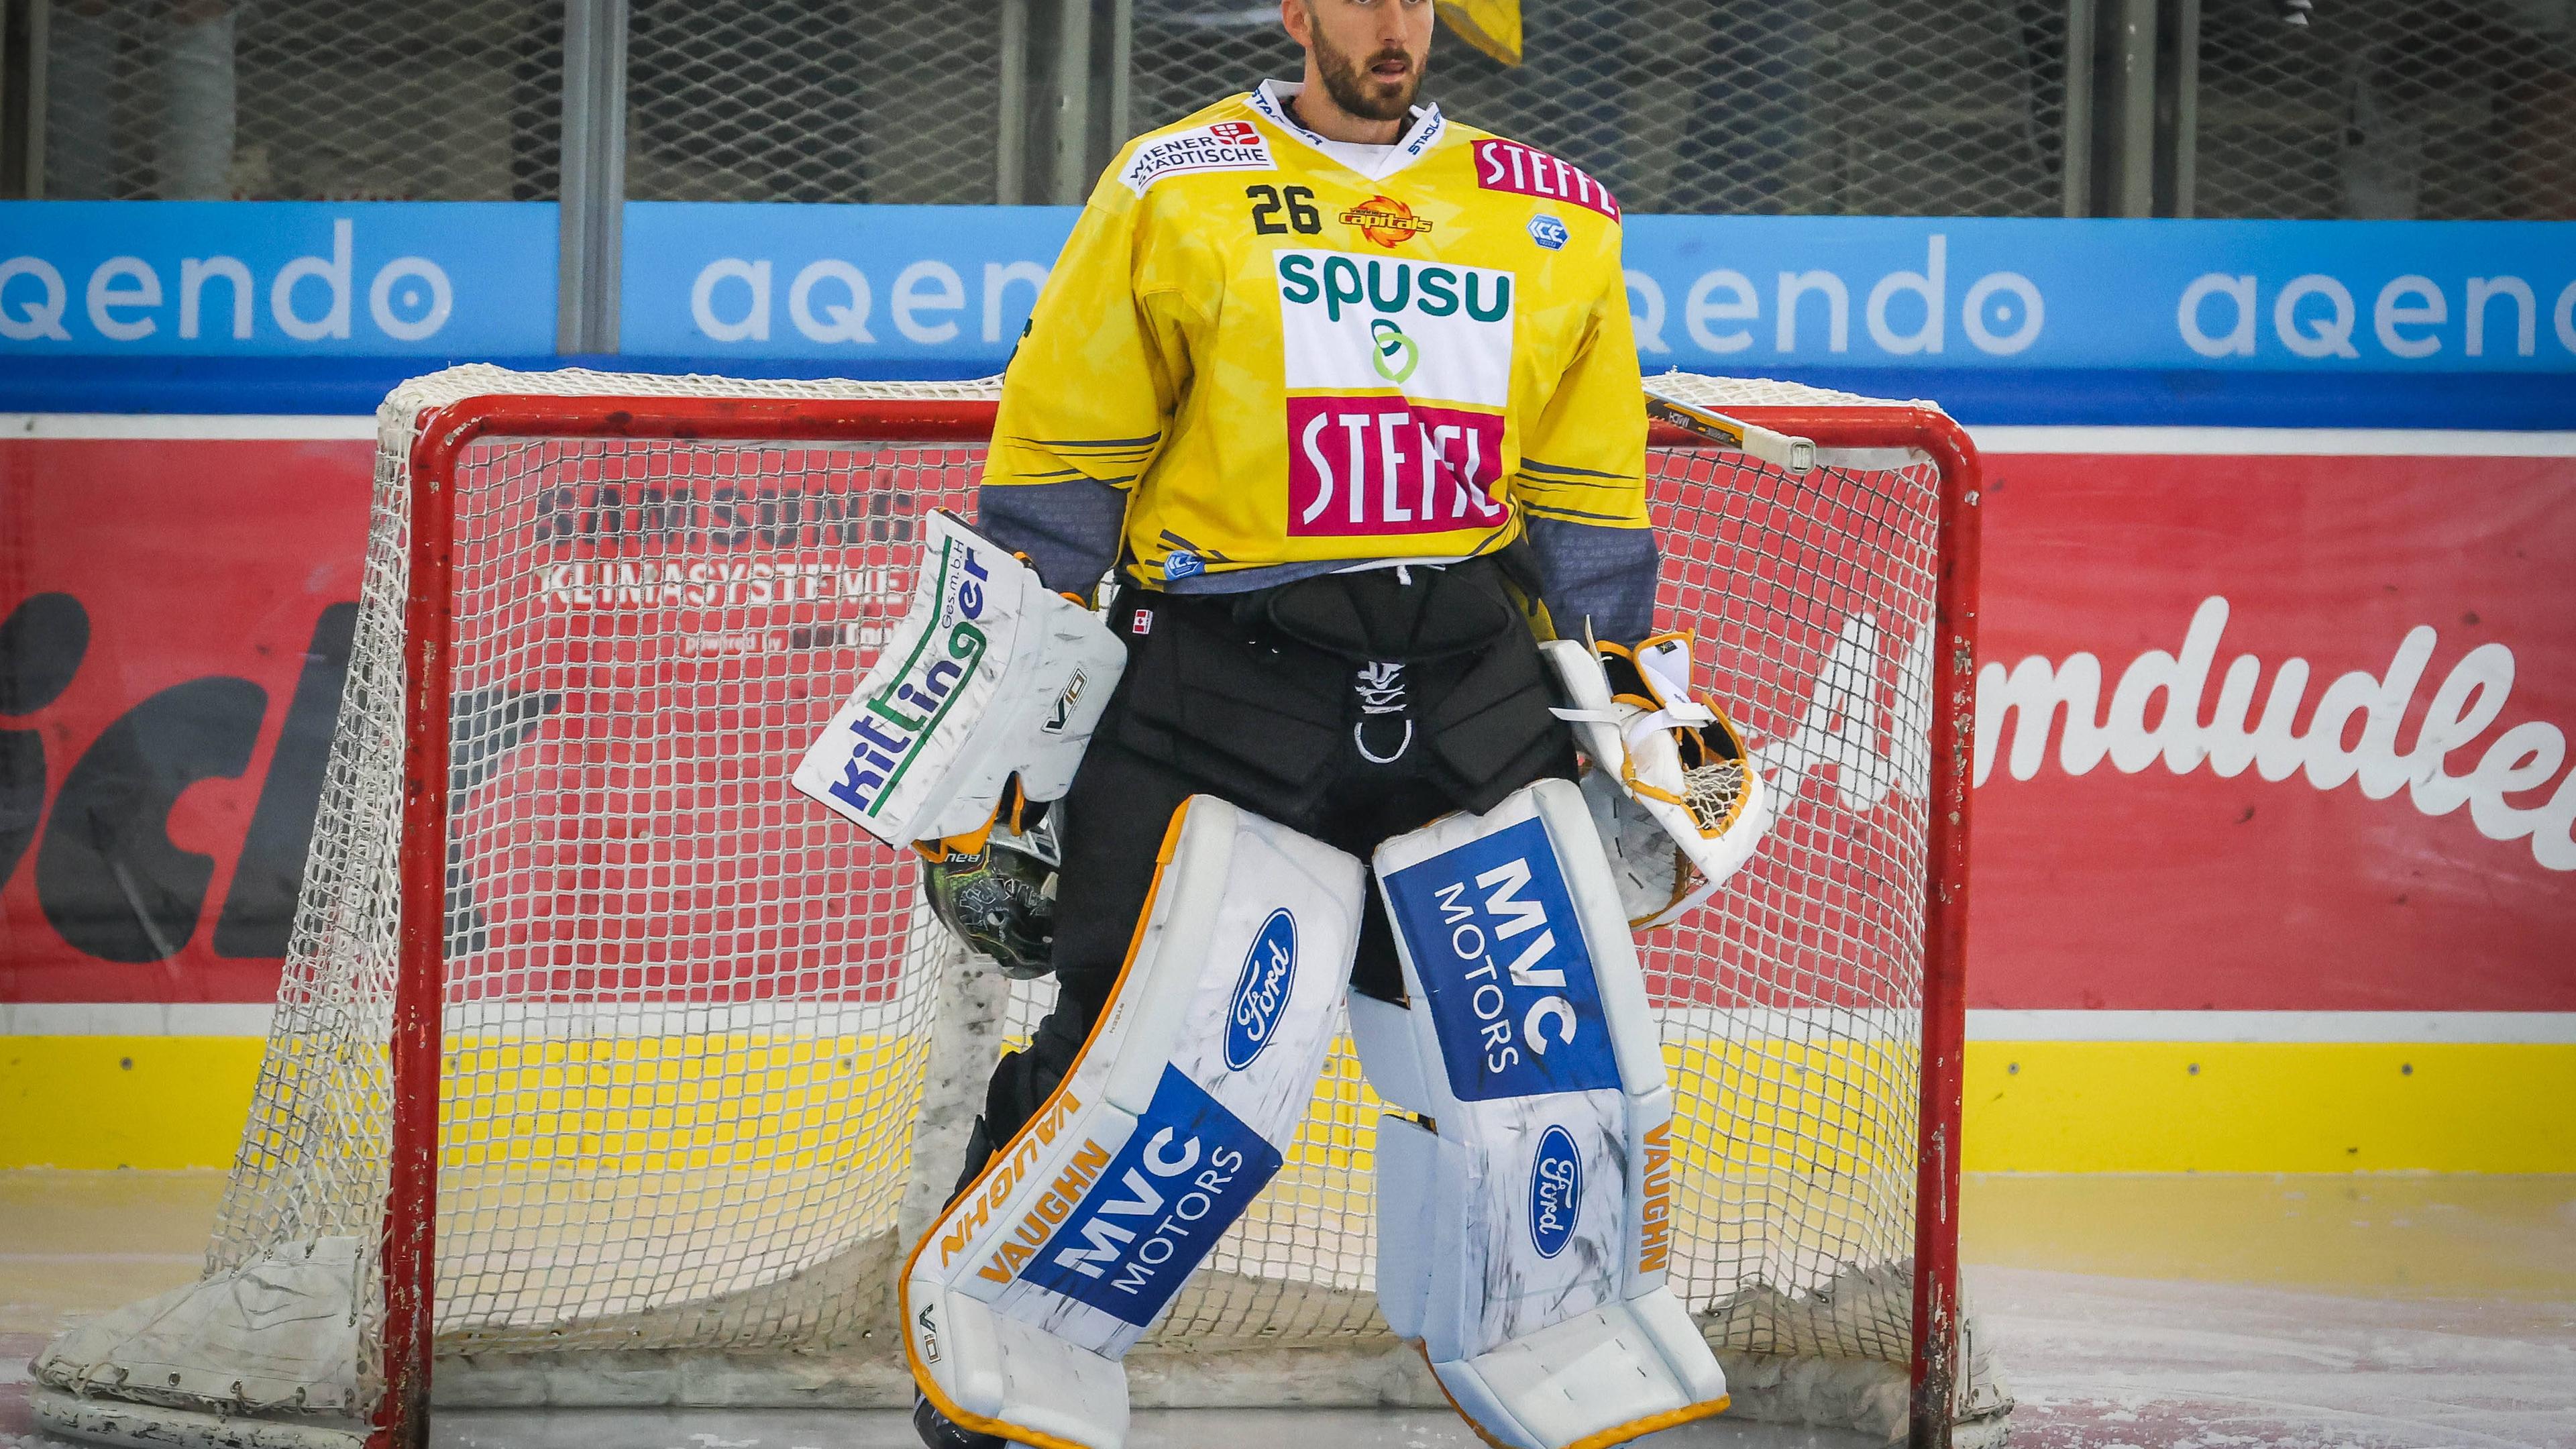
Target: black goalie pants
1350,707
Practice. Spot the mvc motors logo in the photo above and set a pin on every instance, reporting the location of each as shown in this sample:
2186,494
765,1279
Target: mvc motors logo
1261,992
1556,1192
1490,928
1186,1172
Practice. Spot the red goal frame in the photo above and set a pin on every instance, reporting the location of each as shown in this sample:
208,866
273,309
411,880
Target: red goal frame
442,435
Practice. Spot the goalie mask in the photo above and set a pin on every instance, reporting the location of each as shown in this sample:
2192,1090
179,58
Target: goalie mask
1671,788
997,893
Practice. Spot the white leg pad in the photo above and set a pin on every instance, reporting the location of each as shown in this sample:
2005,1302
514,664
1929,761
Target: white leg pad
1572,1380
1029,1289
1003,1371
1526,1234
1390,1052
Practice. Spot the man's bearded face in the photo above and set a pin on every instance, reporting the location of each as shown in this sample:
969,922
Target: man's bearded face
1379,86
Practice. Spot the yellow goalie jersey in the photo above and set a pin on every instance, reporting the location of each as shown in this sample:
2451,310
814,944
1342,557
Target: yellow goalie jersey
1284,360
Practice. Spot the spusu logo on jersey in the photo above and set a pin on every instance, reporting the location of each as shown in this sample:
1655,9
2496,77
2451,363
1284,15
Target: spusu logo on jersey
1397,374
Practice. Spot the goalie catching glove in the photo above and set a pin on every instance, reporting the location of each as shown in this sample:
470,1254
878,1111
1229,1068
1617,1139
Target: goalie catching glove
1671,787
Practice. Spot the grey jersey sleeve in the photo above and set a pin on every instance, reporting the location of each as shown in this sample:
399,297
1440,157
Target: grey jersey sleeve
1589,572
1069,529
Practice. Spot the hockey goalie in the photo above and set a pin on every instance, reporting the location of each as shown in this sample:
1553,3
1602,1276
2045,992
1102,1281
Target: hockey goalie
1343,395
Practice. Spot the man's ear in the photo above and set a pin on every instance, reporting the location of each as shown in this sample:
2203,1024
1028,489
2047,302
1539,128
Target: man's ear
1293,16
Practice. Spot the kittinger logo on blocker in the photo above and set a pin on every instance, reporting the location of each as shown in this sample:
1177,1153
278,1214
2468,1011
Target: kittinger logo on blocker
900,718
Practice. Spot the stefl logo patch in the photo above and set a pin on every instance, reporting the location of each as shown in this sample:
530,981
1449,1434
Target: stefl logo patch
1386,221
1396,355
1510,166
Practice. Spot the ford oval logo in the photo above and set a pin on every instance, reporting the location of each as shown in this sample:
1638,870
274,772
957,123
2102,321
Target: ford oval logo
1556,1192
1261,992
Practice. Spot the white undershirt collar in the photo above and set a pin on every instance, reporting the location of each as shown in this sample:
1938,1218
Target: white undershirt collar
1376,163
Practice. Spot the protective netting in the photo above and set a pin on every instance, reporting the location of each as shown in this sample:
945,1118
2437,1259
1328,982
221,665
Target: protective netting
689,1014
2388,109
750,100
2433,109
299,100
1870,107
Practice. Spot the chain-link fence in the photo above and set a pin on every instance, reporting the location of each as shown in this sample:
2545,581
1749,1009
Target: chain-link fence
2373,108
449,100
2389,108
788,100
1834,106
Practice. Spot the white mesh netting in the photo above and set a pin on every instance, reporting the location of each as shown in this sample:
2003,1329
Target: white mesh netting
689,1015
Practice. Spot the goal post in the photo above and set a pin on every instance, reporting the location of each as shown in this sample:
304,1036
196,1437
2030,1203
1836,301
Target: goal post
604,1071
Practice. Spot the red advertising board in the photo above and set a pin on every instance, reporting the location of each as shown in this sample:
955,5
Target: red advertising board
2244,808
174,624
2257,732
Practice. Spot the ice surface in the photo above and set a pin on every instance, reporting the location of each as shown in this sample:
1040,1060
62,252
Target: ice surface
2128,1313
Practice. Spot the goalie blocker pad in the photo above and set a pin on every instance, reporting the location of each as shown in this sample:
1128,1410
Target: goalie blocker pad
1523,1231
1022,1298
989,675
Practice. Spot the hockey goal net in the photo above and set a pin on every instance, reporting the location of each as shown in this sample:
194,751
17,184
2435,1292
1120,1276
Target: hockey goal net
606,1069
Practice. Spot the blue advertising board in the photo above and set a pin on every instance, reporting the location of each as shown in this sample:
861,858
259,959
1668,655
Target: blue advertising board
953,285
276,279
945,286
2311,318
2323,296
